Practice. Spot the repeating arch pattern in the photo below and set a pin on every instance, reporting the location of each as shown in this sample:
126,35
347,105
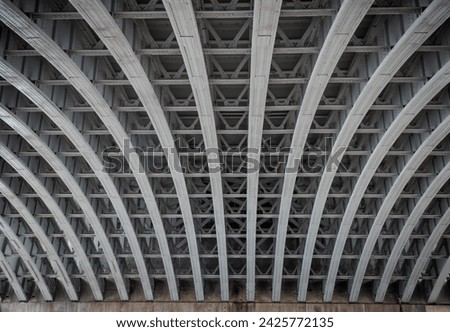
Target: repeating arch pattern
54,258
103,24
419,31
224,150
408,171
58,215
423,97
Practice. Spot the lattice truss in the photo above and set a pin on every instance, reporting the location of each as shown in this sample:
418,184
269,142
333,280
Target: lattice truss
206,146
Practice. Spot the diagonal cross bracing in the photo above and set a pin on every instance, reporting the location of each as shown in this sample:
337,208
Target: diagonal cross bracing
431,19
100,20
182,18
50,202
15,201
265,23
347,20
414,107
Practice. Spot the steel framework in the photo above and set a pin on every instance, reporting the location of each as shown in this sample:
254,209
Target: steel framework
198,147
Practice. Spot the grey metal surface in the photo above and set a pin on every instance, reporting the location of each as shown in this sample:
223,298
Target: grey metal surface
225,150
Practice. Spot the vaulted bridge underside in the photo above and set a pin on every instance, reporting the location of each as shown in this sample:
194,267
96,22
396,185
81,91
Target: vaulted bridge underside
223,149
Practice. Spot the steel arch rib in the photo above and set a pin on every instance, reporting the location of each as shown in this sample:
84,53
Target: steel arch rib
182,18
55,210
54,258
424,256
408,171
420,30
12,277
18,246
345,24
414,107
440,282
33,35
265,23
100,20
407,229
15,78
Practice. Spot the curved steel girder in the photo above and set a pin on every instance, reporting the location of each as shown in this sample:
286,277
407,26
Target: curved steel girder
54,259
265,23
100,20
18,246
440,282
59,216
396,189
182,18
34,36
12,278
425,254
419,32
414,107
15,78
408,228
347,21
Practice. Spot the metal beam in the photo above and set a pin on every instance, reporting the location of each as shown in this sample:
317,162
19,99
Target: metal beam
182,18
228,51
54,259
59,216
397,187
431,19
265,23
15,77
345,24
18,246
425,255
225,81
100,20
227,14
414,107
